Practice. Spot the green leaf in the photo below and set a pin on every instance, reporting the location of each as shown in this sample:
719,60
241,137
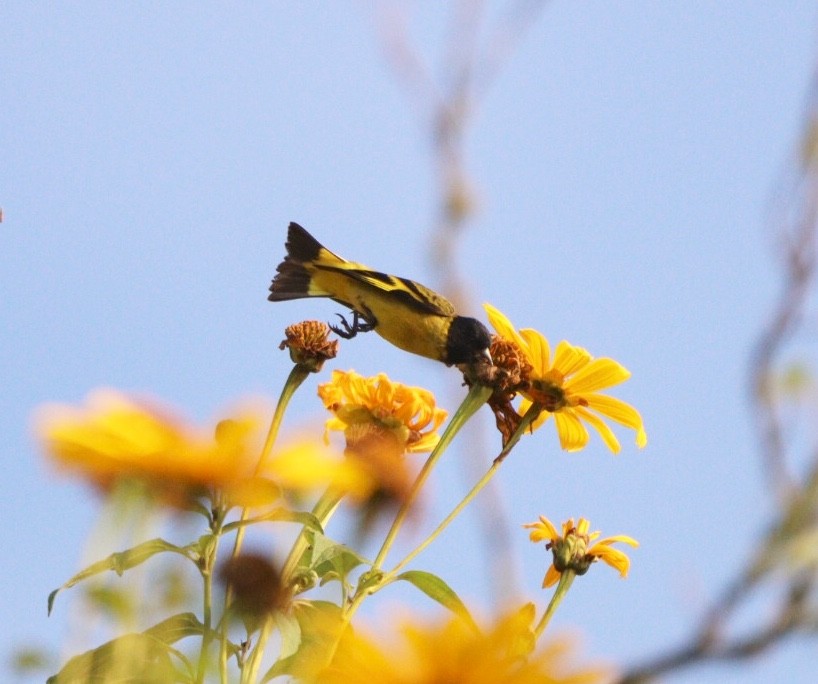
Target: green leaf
437,589
279,514
136,657
176,627
115,602
304,563
290,632
119,563
333,560
130,658
319,624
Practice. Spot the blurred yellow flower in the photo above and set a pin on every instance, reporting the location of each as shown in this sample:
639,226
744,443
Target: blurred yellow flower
571,549
566,384
116,437
381,421
455,652
303,466
409,413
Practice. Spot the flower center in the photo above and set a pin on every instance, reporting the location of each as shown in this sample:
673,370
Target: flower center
550,396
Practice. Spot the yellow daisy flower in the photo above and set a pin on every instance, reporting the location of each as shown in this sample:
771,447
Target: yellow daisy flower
116,437
453,651
567,384
407,412
571,548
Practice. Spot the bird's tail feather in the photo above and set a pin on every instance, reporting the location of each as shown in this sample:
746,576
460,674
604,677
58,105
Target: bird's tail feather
293,276
292,281
301,246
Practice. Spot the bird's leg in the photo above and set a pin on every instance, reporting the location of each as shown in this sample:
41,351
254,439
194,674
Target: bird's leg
360,323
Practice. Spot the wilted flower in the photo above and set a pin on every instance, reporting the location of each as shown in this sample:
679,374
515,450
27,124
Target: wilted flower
309,344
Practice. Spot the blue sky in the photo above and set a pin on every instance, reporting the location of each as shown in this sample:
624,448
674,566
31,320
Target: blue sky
623,160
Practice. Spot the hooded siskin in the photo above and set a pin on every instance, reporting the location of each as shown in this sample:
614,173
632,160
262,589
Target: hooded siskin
403,312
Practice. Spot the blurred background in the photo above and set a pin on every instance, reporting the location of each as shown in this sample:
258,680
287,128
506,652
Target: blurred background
632,177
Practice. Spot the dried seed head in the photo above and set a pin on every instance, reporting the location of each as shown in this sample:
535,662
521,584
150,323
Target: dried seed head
309,344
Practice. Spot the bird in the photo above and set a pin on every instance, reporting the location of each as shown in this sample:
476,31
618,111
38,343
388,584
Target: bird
403,312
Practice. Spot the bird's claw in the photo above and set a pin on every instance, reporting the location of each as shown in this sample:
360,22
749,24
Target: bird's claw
348,330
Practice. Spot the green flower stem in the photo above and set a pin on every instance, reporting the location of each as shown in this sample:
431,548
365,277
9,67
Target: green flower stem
448,519
223,654
323,510
207,576
477,396
206,569
250,672
528,418
566,579
297,376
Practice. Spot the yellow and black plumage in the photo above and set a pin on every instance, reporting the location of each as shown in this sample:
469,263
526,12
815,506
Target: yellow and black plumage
403,312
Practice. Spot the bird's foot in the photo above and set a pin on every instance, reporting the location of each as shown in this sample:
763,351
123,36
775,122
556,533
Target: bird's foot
347,330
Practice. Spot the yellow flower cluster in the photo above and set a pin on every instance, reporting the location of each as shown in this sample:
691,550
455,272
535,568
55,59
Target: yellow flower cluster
115,437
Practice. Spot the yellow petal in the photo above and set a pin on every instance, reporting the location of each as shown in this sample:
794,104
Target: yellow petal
253,492
552,576
333,423
623,538
569,359
573,435
540,350
426,443
542,530
601,427
504,327
305,466
598,374
621,412
613,557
